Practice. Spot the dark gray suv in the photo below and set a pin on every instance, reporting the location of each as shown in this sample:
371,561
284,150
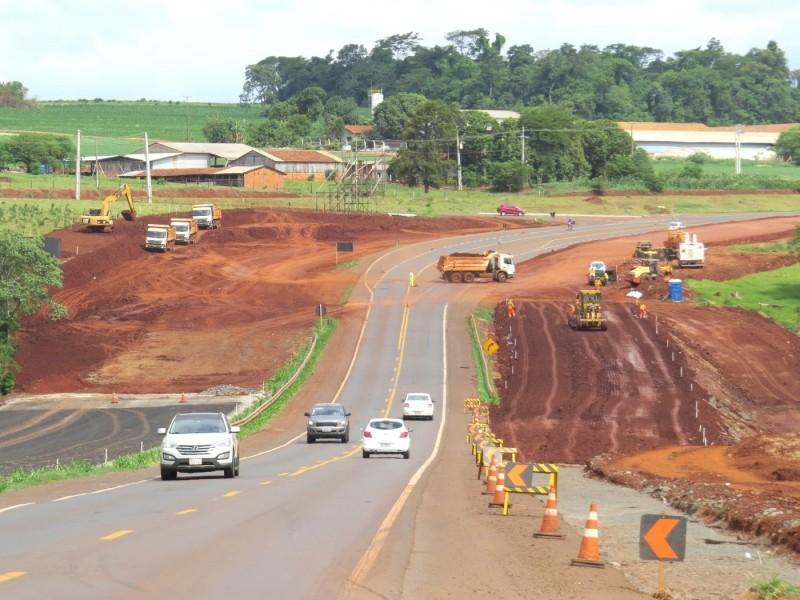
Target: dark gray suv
328,420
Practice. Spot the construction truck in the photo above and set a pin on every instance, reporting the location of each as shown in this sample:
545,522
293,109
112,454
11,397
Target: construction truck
586,312
597,270
674,239
159,237
644,249
466,266
691,252
99,219
208,216
185,230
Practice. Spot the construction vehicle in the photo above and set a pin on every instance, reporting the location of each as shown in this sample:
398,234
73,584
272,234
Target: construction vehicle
466,266
185,230
691,253
674,239
99,219
597,270
159,237
208,216
644,249
586,312
639,273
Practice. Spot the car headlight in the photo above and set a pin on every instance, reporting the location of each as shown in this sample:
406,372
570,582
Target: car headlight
166,456
224,456
169,445
311,423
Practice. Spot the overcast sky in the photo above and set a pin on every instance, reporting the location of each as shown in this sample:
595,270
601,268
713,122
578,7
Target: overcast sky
171,49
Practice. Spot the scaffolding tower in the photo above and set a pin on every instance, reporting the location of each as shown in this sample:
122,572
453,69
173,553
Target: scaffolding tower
361,182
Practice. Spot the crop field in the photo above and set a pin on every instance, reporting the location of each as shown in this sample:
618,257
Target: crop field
770,168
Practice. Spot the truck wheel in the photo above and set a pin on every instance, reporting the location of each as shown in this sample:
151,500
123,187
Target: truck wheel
469,277
455,277
501,276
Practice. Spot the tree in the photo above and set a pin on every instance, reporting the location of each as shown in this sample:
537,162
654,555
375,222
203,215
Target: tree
221,131
34,149
509,176
26,274
392,115
554,143
14,95
602,141
311,102
430,130
788,145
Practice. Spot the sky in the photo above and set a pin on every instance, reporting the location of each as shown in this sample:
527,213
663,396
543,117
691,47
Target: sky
197,50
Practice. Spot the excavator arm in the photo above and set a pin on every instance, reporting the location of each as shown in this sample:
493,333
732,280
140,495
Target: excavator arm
99,220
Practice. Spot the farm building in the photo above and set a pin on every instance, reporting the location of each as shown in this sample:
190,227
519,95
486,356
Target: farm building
352,132
684,139
302,164
258,176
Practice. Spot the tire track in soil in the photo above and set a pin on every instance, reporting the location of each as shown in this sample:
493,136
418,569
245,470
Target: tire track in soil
548,403
62,421
517,400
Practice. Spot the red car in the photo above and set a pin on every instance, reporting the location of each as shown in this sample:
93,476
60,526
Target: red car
510,209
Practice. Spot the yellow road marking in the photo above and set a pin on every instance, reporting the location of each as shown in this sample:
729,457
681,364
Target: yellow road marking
11,575
401,346
186,512
265,483
306,469
116,534
232,493
283,474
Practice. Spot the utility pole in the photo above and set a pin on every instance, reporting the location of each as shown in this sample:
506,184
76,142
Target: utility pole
78,166
738,150
147,169
187,116
458,159
96,166
522,138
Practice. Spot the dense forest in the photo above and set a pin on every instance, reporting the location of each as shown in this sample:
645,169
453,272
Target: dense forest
619,82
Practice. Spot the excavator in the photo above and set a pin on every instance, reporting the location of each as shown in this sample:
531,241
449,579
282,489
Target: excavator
99,219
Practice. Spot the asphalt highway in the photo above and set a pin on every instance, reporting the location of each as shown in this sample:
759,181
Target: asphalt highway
302,521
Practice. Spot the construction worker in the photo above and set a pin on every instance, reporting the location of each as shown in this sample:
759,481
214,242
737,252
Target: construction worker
598,283
642,311
512,311
411,282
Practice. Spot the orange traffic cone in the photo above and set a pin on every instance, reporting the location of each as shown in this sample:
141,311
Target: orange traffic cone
589,553
183,399
550,526
114,399
491,480
500,489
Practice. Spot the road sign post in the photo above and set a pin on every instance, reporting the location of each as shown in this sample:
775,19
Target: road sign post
343,247
662,538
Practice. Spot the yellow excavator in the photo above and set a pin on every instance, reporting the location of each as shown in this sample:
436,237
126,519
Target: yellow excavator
99,219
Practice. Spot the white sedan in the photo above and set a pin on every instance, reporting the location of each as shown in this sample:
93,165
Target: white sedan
418,405
675,225
386,436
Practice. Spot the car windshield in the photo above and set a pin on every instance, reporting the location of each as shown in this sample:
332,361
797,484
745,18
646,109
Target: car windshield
386,425
417,398
157,233
198,424
327,411
201,212
181,226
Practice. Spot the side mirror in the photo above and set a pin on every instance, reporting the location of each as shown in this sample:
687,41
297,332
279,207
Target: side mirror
361,428
347,414
410,429
235,429
306,414
161,431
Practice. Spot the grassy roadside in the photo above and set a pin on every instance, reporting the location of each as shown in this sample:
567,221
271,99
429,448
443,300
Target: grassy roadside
483,318
139,460
775,294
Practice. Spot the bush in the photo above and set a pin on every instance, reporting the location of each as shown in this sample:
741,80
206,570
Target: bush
619,167
7,381
599,186
509,176
699,158
654,183
692,170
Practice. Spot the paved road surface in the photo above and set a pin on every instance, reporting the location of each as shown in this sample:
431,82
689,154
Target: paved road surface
300,518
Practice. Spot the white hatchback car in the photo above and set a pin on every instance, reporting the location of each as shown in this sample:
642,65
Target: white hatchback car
675,225
418,405
386,436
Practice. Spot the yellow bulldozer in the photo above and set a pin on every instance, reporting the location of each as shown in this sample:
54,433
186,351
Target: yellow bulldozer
99,219
586,312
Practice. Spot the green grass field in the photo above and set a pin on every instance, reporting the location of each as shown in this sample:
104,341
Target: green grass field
775,294
770,168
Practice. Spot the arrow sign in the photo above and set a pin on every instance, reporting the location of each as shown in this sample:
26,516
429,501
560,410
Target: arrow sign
515,475
662,538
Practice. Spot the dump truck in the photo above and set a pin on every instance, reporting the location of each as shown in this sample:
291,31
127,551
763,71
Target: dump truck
185,230
208,216
99,219
691,252
159,237
466,266
586,312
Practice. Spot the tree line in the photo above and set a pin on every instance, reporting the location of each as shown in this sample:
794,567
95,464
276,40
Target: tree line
618,82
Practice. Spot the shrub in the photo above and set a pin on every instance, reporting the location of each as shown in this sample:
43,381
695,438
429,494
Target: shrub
599,186
692,170
7,381
699,158
654,183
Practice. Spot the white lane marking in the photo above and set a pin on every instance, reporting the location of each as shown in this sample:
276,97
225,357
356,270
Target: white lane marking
291,441
103,491
2,510
369,557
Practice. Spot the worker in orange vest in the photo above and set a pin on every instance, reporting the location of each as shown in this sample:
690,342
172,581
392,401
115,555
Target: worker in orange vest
598,283
642,311
512,311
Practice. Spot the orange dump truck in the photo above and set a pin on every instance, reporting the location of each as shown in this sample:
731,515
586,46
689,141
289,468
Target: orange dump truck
467,266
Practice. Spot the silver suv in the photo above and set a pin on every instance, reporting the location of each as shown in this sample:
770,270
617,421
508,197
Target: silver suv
328,420
196,442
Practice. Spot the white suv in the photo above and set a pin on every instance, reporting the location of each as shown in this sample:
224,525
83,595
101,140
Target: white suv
196,442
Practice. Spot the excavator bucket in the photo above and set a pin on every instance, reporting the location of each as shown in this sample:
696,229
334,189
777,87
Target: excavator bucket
129,215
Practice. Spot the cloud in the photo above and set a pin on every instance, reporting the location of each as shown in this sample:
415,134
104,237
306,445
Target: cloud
129,49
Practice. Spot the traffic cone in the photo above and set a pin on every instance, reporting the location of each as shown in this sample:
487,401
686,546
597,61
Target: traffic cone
183,399
589,553
550,525
500,489
114,399
491,480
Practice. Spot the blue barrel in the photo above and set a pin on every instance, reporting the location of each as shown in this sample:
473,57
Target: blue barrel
676,290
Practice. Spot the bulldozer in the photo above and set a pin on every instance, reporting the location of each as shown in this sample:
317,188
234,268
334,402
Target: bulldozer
586,313
99,219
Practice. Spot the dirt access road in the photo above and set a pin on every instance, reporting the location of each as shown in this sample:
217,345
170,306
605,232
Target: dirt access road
722,374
